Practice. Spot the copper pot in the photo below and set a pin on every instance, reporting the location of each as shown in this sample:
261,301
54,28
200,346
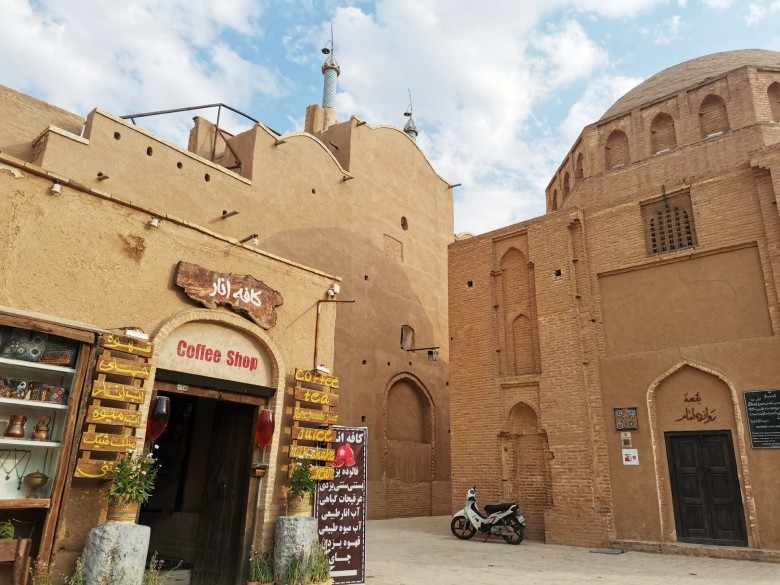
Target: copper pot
41,431
15,428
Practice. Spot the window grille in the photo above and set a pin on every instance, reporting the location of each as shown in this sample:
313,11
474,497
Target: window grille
669,225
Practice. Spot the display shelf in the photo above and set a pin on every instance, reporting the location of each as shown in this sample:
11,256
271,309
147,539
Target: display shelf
33,404
36,366
28,443
25,503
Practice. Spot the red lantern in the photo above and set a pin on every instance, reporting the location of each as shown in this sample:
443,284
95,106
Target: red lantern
264,433
157,420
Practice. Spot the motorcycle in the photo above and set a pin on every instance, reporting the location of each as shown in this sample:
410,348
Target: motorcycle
501,520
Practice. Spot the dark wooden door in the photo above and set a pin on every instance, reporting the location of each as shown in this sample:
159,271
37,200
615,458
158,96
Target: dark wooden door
221,530
705,488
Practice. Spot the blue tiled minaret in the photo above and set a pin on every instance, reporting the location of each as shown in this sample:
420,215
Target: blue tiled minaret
410,128
330,71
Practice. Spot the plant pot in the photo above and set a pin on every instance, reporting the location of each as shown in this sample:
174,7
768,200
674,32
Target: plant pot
125,513
299,504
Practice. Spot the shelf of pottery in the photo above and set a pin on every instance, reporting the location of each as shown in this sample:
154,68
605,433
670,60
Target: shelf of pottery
36,374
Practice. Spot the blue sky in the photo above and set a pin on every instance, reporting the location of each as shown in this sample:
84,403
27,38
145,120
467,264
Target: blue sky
501,89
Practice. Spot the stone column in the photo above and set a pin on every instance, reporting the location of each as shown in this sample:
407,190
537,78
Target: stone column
116,552
295,536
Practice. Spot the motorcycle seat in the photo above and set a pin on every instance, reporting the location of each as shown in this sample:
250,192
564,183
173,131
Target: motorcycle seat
493,508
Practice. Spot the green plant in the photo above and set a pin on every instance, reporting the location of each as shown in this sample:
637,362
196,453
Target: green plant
294,573
154,572
134,478
40,572
301,481
317,567
7,530
261,565
77,578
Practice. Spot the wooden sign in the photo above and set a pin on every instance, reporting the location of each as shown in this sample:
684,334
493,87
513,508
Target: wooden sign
103,415
241,293
315,453
107,442
316,377
315,397
119,367
324,473
118,392
127,344
309,434
94,468
316,416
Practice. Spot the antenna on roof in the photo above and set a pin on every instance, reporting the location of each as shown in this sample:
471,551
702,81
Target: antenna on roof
410,129
330,71
325,49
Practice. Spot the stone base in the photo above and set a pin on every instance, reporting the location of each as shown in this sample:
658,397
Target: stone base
116,553
295,536
699,550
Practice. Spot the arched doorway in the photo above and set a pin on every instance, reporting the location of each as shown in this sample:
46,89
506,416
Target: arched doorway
409,447
526,468
217,371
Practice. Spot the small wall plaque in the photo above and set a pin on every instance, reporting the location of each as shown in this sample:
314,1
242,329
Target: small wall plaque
625,419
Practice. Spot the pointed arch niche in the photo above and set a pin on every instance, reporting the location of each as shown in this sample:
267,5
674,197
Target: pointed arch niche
409,446
526,468
670,399
518,330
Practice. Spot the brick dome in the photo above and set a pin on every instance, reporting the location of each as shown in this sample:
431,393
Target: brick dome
685,74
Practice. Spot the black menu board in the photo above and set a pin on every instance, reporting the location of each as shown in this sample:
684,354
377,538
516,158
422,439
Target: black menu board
763,413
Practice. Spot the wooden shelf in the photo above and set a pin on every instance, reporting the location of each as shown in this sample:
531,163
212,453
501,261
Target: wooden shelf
25,503
33,404
28,443
37,366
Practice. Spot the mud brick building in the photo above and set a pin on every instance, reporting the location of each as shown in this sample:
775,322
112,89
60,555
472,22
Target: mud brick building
613,362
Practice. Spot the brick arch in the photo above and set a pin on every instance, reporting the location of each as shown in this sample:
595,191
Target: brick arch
265,496
616,150
662,133
773,92
579,170
713,117
525,466
657,439
408,446
554,200
516,313
566,185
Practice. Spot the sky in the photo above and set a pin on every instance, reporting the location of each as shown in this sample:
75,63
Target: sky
501,89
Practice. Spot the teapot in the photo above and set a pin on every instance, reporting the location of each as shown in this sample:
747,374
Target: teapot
41,431
15,428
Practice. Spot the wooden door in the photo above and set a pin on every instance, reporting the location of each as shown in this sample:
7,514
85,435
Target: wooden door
705,488
221,531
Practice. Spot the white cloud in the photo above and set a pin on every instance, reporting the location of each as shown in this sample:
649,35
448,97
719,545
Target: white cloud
669,30
718,4
758,11
601,93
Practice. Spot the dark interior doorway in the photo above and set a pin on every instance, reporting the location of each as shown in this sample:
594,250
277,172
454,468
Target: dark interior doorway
198,511
705,488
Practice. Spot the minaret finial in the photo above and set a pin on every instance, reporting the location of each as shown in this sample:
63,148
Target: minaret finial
410,128
330,71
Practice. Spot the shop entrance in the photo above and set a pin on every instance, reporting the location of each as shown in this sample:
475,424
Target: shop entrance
705,488
198,512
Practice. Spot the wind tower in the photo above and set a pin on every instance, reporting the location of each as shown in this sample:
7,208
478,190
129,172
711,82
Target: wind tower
320,118
410,128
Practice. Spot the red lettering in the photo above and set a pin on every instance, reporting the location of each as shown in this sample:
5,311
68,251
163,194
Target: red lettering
180,347
190,351
217,356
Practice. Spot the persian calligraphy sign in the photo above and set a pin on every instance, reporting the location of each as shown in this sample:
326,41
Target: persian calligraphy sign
94,468
119,367
340,507
127,344
763,413
118,392
107,442
241,293
103,415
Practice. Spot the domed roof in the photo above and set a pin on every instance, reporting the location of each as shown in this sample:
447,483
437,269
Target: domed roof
678,77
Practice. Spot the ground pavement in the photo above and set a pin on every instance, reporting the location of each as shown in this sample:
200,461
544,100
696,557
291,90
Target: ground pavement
421,551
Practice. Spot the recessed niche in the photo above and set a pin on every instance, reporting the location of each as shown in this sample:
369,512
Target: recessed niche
149,151
207,177
388,363
365,277
179,165
558,272
469,284
117,136
365,362
314,191
363,418
404,224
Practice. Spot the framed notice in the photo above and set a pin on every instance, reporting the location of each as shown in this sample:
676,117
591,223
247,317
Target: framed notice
340,507
763,414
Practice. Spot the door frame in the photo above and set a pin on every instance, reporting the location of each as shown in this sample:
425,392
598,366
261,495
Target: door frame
674,482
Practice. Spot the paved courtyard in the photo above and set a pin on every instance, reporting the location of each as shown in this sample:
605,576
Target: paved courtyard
421,551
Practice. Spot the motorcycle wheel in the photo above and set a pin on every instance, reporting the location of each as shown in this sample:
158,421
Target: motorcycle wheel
518,531
462,528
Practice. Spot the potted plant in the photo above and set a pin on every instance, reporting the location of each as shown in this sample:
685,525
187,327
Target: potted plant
131,486
261,566
302,486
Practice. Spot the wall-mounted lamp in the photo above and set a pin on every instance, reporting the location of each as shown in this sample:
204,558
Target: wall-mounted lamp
137,333
102,176
226,213
253,239
334,289
324,369
154,222
433,353
56,188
